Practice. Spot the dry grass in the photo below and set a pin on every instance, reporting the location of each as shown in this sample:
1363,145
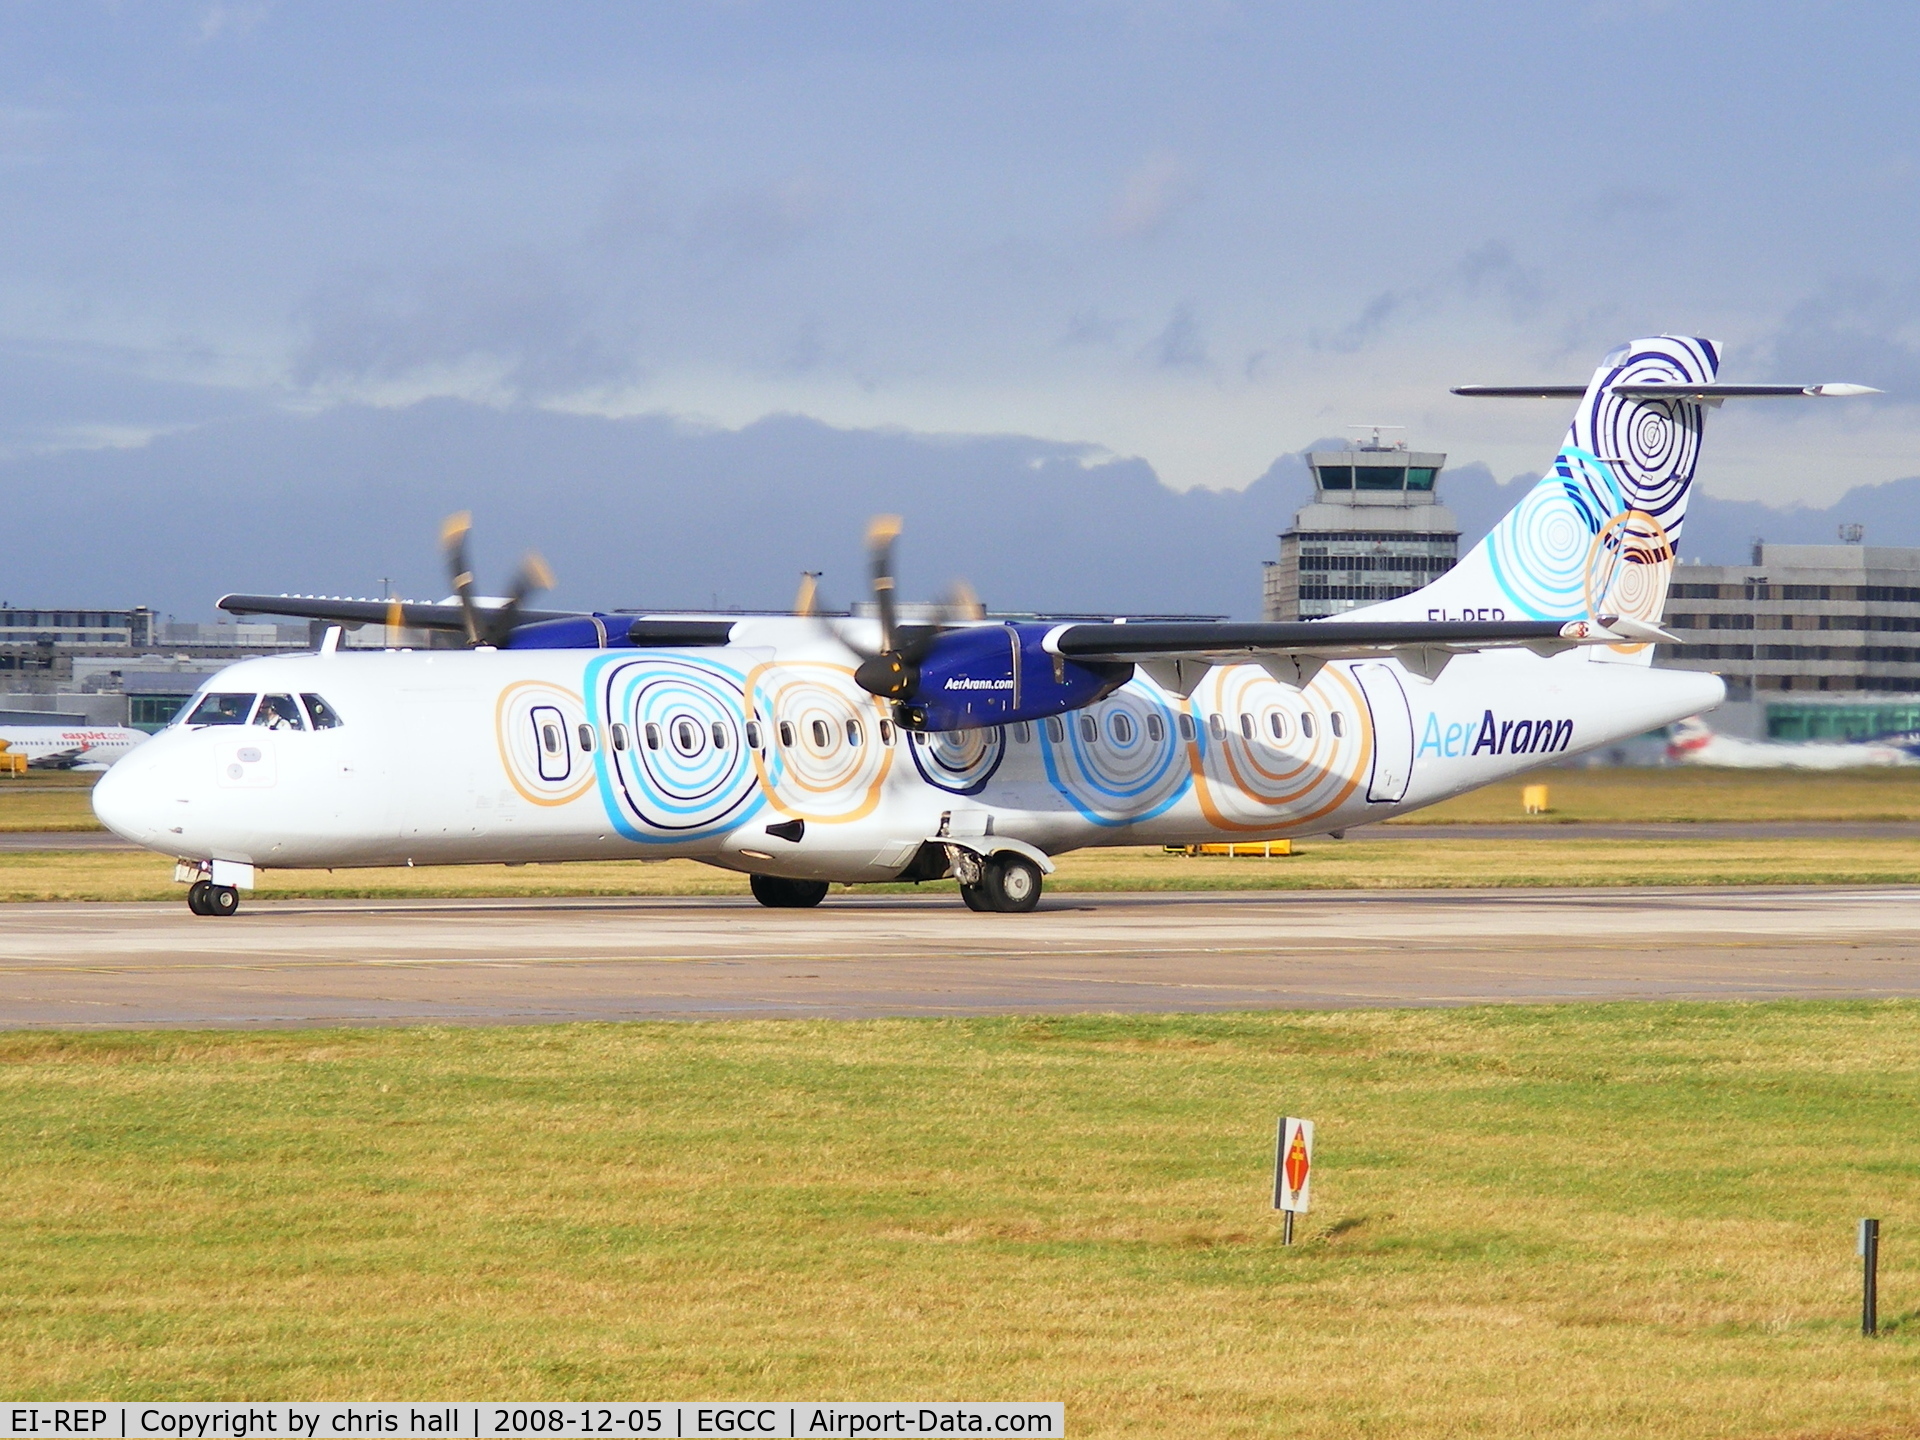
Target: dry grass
1557,858
1622,1221
1687,794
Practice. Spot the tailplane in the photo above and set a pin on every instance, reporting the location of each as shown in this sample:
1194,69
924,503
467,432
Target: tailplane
1598,534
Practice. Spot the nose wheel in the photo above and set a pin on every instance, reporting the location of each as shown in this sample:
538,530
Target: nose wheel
206,898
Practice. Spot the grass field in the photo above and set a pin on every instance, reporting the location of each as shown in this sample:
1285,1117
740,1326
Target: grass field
1630,1220
1463,863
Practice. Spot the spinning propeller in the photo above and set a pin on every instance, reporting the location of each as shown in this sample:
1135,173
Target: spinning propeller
892,671
491,625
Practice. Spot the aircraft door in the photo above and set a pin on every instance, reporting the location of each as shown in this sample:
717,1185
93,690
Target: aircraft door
1392,733
551,743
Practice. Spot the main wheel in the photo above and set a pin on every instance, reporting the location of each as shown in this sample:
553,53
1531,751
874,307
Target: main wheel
976,897
778,894
197,897
1012,883
222,900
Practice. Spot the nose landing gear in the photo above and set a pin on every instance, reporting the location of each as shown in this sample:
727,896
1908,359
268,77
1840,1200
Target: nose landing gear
206,898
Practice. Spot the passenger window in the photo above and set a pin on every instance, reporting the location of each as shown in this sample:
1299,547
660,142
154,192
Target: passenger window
1022,733
1217,725
719,736
322,715
1339,722
222,710
1120,726
853,732
619,736
1246,726
886,732
1056,732
278,712
686,736
1306,723
1277,723
585,733
1089,729
920,738
822,736
753,734
1156,729
786,733
653,736
1187,729
550,738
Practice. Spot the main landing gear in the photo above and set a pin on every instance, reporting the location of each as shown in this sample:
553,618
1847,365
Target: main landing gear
778,894
1005,882
206,898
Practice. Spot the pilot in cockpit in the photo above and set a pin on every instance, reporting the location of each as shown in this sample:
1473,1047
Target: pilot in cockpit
279,712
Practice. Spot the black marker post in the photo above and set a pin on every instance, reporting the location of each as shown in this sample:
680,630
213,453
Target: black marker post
1869,1248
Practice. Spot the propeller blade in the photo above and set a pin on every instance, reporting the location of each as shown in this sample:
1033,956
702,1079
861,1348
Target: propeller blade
881,533
963,603
532,577
453,540
807,602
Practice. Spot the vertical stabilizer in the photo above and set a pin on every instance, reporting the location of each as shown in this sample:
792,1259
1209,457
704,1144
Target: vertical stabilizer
1597,534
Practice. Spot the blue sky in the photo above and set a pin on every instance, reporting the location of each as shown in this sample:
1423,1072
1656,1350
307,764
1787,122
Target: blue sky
1198,234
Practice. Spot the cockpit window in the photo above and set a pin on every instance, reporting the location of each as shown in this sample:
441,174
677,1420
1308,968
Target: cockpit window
323,715
221,710
278,712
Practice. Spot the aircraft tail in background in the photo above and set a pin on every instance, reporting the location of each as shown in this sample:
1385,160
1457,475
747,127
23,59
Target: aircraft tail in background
1598,535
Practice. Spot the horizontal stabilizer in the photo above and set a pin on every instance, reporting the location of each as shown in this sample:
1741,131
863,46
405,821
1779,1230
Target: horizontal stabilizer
1700,394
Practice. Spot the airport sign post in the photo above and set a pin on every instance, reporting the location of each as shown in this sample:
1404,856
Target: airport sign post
1292,1172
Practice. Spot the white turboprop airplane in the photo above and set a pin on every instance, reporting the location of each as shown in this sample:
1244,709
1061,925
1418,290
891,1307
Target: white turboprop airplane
69,747
803,749
1694,742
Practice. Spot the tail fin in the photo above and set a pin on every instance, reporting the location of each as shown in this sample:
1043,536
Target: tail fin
1596,535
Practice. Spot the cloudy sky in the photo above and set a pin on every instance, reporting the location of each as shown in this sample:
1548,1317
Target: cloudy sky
1200,234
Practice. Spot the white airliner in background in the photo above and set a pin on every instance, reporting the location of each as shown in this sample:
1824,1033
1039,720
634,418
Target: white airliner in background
69,747
806,749
1694,742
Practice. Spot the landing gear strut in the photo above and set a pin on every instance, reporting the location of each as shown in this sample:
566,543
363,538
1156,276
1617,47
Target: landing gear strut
1008,883
779,894
206,898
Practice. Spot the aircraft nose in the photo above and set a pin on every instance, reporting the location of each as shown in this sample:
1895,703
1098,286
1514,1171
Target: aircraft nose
128,799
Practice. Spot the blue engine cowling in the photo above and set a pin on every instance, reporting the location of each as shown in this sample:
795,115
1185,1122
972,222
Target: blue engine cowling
982,675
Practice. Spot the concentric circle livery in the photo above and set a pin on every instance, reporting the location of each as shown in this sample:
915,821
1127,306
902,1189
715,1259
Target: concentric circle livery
822,757
1119,762
677,766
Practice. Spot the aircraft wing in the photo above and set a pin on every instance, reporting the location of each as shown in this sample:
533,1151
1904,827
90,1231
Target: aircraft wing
410,614
1422,646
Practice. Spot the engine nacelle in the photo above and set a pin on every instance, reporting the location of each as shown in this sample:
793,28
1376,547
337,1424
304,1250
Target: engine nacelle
983,675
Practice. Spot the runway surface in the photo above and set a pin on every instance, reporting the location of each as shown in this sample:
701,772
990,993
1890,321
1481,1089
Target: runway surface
294,963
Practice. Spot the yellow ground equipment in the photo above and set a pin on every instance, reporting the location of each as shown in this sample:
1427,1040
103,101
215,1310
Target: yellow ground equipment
1258,850
1533,799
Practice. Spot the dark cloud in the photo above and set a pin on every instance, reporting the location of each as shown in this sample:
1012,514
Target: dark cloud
1851,332
1180,345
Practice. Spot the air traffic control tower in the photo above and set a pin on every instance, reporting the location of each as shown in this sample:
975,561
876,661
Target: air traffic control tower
1375,529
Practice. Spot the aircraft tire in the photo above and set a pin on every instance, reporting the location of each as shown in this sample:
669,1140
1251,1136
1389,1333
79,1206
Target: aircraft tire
780,894
1012,883
976,897
222,900
197,897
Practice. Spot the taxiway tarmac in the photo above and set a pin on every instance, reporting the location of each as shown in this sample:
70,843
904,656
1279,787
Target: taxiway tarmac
295,963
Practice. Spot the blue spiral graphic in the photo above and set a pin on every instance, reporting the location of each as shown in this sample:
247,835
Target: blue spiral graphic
684,772
961,762
1132,768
